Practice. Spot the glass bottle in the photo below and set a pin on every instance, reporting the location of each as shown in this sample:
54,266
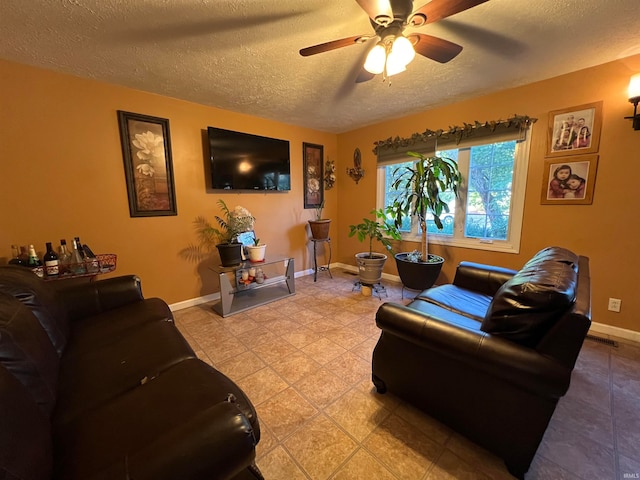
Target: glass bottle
51,262
24,255
77,264
64,258
90,260
16,259
80,249
35,264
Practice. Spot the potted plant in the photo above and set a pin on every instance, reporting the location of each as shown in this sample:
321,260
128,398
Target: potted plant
256,251
320,226
420,187
370,263
225,236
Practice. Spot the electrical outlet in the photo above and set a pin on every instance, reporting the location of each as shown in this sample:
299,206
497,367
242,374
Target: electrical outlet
615,304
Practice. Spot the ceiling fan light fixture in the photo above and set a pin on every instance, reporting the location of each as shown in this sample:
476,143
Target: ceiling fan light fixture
403,49
394,65
376,59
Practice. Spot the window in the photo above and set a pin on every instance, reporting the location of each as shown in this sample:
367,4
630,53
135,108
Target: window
488,211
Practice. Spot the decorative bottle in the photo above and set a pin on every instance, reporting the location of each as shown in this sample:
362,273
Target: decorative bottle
64,258
51,262
34,262
80,249
16,259
77,264
90,260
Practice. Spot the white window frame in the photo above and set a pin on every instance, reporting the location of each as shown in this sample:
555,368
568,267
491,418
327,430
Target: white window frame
518,192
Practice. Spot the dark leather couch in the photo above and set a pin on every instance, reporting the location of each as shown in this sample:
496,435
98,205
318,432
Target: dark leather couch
491,354
97,382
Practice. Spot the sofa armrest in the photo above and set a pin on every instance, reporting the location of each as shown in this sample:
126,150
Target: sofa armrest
92,298
486,279
217,443
480,351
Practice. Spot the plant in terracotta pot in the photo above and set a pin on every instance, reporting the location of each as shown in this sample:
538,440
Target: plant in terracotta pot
224,236
320,226
380,229
421,186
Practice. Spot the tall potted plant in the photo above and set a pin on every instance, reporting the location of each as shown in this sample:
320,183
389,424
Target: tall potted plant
370,263
320,226
420,186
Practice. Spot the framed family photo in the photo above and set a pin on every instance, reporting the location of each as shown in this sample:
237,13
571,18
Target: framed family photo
148,166
569,180
575,130
313,181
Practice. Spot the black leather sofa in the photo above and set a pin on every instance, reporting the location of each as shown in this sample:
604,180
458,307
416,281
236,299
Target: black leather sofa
97,382
491,354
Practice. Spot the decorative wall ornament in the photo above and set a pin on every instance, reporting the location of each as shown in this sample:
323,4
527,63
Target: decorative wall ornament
329,174
312,156
357,172
521,122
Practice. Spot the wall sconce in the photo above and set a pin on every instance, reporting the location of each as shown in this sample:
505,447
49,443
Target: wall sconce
634,97
357,172
329,174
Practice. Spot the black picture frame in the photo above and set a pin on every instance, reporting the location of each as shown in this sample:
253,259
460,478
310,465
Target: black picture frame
313,174
148,164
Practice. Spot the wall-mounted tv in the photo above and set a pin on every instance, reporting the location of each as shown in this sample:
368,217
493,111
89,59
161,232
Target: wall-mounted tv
242,161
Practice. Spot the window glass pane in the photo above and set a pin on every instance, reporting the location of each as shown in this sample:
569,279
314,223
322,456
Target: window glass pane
391,194
489,190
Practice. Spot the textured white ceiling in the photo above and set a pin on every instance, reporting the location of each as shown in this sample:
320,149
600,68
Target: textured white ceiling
242,55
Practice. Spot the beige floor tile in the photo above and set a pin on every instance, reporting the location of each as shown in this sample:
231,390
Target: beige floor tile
262,385
359,414
241,365
402,448
286,412
296,366
426,424
275,351
363,466
323,350
451,467
321,447
351,368
278,464
322,387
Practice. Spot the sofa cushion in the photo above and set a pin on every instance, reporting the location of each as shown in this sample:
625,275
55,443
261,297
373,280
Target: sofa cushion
528,304
103,438
34,292
25,434
27,352
459,300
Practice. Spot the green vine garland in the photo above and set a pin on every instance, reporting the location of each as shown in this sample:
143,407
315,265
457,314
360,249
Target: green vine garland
467,130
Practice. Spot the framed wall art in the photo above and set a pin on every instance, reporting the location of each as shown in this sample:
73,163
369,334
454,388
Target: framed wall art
313,181
569,180
575,130
148,166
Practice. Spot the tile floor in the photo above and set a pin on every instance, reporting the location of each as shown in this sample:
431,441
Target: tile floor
305,363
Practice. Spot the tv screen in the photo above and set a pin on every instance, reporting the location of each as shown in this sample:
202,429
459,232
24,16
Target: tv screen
241,161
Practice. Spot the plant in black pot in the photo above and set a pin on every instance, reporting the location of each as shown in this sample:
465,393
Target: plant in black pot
380,229
224,236
419,188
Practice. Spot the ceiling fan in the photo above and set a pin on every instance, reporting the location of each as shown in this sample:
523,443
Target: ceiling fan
394,50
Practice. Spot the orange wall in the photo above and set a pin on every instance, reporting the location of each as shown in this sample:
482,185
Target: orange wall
62,175
606,231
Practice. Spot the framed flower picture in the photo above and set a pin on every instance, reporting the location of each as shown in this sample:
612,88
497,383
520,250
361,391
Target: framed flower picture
148,166
313,180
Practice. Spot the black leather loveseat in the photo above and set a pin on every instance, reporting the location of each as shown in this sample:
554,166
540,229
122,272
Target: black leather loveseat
491,354
97,382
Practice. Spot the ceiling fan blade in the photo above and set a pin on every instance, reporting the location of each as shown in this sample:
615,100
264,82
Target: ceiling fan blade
333,45
438,9
378,10
434,48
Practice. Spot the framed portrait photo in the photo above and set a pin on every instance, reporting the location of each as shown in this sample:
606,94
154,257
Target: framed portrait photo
569,180
313,181
148,166
575,130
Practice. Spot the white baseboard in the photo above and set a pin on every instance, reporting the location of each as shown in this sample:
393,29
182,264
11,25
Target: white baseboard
194,302
615,331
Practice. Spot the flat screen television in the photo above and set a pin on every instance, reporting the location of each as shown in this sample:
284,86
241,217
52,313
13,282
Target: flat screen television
242,161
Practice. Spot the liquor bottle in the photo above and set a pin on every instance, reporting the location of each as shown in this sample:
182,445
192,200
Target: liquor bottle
16,259
90,260
34,262
77,264
80,249
64,258
51,262
24,255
